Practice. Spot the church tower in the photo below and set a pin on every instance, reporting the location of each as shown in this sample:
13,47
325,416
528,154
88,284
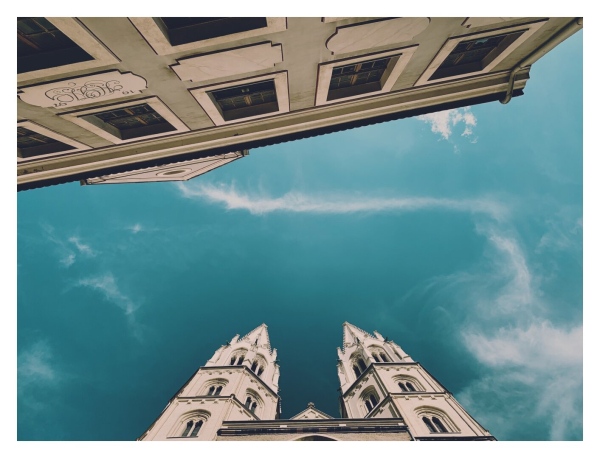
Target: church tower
239,383
379,380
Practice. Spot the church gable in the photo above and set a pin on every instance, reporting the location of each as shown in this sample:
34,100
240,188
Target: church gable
311,413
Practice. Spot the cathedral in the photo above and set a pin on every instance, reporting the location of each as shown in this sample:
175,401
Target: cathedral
385,396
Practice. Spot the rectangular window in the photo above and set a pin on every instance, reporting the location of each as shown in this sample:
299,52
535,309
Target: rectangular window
474,55
41,45
245,101
182,30
131,122
30,144
358,78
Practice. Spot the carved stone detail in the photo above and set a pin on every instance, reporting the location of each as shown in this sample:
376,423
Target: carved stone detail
375,34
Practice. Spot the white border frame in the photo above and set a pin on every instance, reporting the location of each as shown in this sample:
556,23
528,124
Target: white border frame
326,69
207,104
77,32
156,38
77,117
451,43
56,136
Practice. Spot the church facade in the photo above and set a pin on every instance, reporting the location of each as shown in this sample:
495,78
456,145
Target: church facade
385,396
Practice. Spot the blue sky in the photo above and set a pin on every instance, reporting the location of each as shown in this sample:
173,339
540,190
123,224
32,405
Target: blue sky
457,234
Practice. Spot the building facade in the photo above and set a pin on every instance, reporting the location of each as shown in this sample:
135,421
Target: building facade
385,396
103,99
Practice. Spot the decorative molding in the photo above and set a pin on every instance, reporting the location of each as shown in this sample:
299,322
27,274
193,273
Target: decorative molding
483,21
229,62
359,37
83,90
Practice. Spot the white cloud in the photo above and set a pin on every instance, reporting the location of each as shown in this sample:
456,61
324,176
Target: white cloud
107,285
136,228
67,256
443,122
34,364
301,203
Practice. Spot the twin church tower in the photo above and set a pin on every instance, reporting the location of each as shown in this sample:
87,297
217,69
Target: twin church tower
385,395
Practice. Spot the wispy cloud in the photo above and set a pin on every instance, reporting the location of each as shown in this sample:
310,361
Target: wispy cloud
36,373
135,228
531,361
107,285
443,122
296,202
83,248
67,249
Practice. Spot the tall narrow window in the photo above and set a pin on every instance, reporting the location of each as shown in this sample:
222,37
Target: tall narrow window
440,426
373,400
363,366
240,361
187,429
368,404
402,386
384,358
429,425
211,390
218,390
196,429
375,357
410,386
254,365
253,408
260,370
232,361
248,402
356,370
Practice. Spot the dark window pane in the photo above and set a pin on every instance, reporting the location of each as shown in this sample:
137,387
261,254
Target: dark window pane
41,45
181,30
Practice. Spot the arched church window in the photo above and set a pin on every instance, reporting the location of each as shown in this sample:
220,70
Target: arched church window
187,429
218,390
241,360
368,404
440,426
253,368
253,408
402,386
429,425
233,358
356,370
211,390
373,400
384,358
196,429
260,370
410,386
375,357
363,366
248,402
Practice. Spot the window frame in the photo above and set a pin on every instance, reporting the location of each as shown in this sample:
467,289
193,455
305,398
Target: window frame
78,117
155,37
528,28
82,37
399,60
202,96
77,146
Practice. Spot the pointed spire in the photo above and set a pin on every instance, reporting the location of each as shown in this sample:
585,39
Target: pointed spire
351,333
259,336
